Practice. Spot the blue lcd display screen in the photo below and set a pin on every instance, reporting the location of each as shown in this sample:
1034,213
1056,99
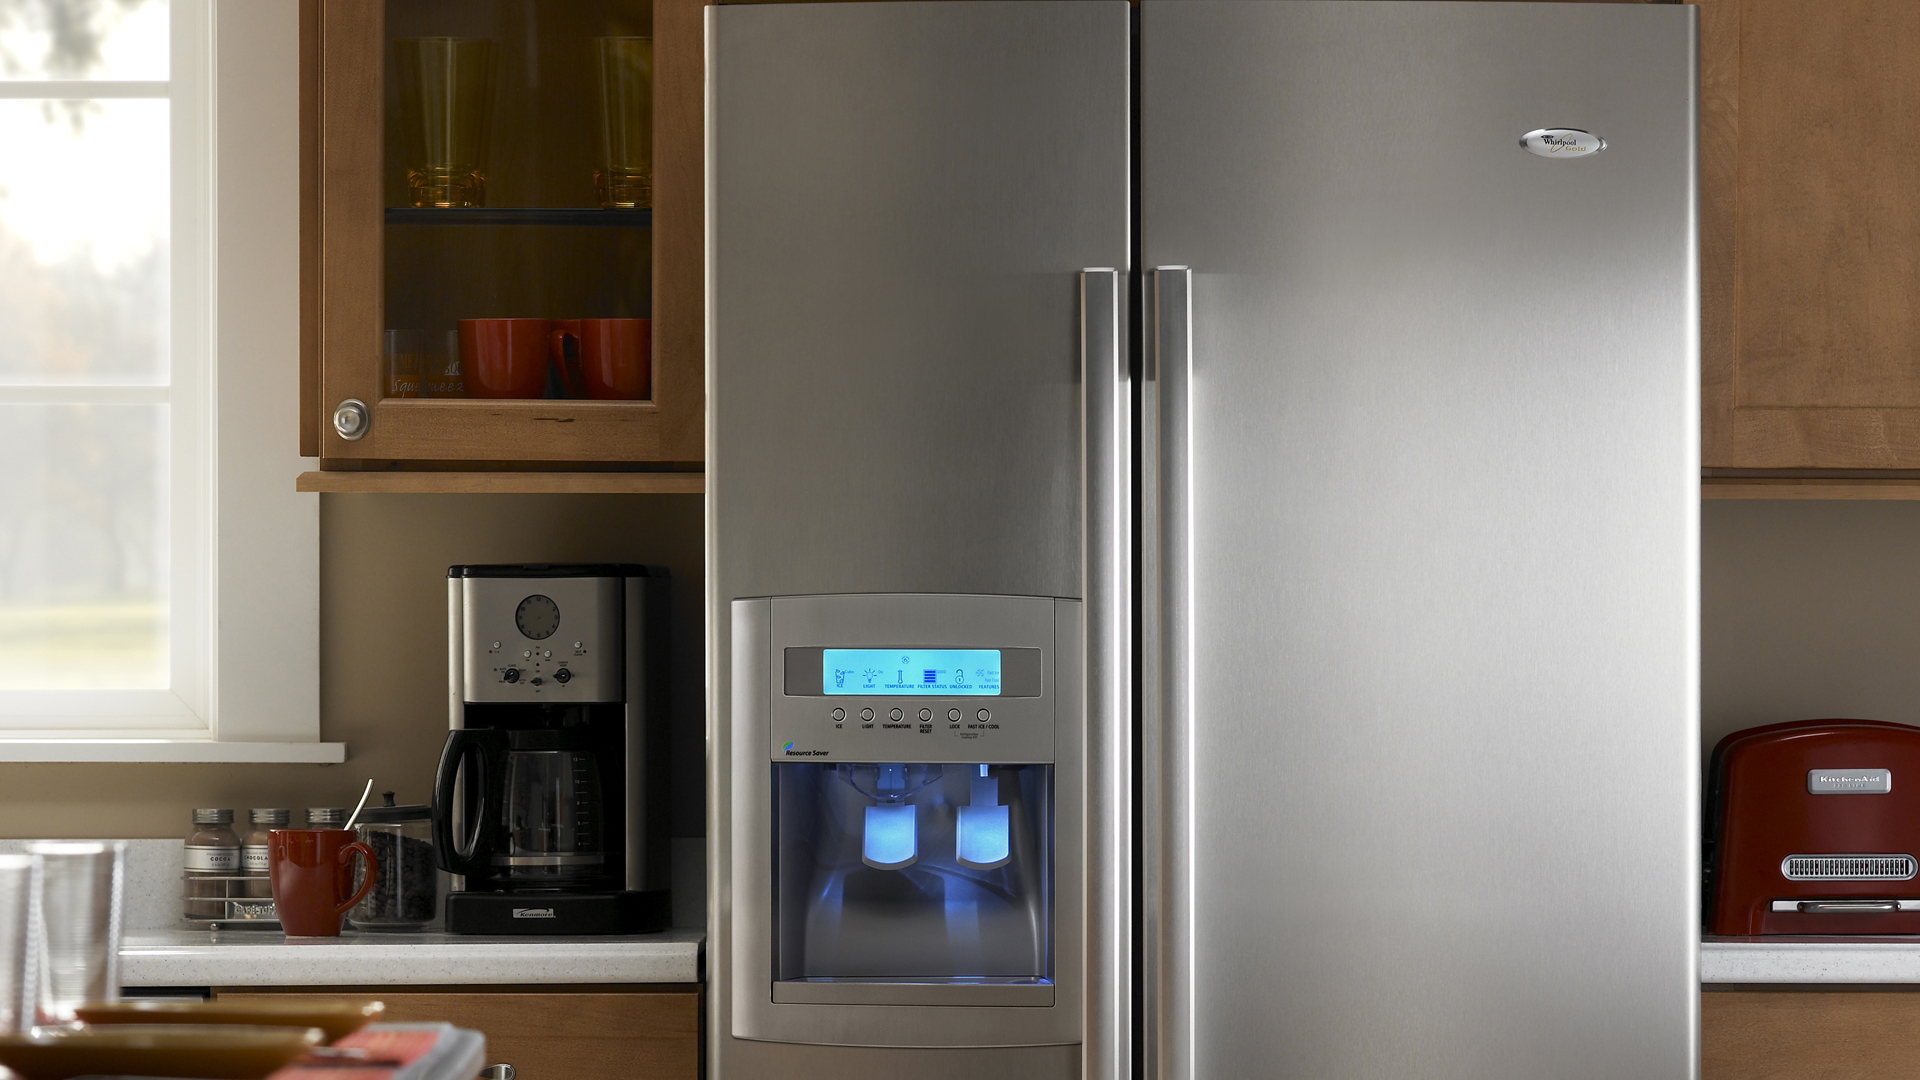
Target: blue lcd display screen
930,672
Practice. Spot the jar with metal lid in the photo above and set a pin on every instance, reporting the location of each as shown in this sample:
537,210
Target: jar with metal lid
253,850
406,886
326,817
212,864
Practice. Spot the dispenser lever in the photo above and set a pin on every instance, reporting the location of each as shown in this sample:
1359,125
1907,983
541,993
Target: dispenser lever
981,839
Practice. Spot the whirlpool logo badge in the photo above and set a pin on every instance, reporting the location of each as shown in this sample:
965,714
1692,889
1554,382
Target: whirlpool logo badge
534,913
791,752
1562,143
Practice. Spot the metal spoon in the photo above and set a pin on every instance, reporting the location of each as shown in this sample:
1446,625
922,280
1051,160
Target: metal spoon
363,803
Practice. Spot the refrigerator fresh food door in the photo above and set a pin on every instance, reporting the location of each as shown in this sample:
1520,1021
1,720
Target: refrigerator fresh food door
1422,742
917,388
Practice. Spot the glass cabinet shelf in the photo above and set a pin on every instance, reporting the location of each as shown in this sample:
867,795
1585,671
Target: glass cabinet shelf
519,215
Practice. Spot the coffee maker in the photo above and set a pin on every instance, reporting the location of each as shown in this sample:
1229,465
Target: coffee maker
550,800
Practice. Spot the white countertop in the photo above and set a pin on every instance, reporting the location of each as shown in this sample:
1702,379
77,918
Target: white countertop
156,950
265,958
1810,960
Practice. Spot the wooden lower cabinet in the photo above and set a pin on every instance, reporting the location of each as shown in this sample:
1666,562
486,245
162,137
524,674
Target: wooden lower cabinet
575,1033
1797,1034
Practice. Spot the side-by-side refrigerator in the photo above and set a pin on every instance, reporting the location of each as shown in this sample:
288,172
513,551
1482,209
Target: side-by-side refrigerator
1203,539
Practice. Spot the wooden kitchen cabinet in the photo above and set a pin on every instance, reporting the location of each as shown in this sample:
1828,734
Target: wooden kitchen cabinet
541,246
576,1033
1810,234
1869,1033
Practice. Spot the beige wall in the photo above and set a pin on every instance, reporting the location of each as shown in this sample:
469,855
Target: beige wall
383,648
1808,609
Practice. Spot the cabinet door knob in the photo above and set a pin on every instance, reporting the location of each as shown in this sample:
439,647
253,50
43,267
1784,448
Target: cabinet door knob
497,1072
351,419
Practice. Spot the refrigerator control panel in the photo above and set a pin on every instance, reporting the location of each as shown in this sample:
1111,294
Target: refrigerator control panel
914,677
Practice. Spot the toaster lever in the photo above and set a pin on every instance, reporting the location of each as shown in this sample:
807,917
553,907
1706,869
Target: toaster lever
1841,907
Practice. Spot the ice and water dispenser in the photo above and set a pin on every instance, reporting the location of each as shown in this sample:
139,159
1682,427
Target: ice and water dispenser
906,784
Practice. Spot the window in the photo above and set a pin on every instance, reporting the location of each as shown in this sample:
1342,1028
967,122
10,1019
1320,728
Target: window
112,506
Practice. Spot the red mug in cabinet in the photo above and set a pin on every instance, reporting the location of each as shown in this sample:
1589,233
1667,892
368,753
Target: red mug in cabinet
505,358
312,875
605,359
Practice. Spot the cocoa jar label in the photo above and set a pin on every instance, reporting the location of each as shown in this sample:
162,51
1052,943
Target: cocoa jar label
223,860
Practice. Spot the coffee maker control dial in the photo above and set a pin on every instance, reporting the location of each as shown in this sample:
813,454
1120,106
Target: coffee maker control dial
511,675
563,676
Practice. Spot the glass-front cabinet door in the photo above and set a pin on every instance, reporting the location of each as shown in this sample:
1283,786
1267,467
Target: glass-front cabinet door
504,233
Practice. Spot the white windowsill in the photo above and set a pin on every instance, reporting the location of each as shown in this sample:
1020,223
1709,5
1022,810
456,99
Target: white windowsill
136,749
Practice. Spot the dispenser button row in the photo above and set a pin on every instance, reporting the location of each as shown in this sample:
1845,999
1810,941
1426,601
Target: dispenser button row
926,715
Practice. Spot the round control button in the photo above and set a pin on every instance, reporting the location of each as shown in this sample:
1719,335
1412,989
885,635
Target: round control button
576,644
925,715
839,715
895,715
547,655
526,654
953,716
984,715
866,716
496,644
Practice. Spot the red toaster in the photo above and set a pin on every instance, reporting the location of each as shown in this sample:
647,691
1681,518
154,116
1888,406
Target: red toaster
1814,828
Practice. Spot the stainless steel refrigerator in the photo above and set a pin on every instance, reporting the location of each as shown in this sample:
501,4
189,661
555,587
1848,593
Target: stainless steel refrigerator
1203,539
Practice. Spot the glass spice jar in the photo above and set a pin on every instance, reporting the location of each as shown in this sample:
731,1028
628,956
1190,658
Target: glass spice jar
212,855
254,863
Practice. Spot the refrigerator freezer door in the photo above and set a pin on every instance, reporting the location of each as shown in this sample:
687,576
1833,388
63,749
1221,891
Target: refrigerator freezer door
1423,504
903,203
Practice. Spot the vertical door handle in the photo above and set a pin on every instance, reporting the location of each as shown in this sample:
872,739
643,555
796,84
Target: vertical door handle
1168,885
1107,457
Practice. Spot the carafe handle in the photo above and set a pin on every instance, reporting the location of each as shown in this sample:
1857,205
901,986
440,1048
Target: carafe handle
486,748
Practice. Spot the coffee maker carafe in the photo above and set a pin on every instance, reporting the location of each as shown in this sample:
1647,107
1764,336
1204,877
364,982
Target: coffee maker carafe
538,815
550,801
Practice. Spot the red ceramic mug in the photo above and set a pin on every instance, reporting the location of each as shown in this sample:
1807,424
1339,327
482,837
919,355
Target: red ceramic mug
311,869
505,358
605,359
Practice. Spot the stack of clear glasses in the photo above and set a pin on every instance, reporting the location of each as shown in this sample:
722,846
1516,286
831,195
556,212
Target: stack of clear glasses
60,928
